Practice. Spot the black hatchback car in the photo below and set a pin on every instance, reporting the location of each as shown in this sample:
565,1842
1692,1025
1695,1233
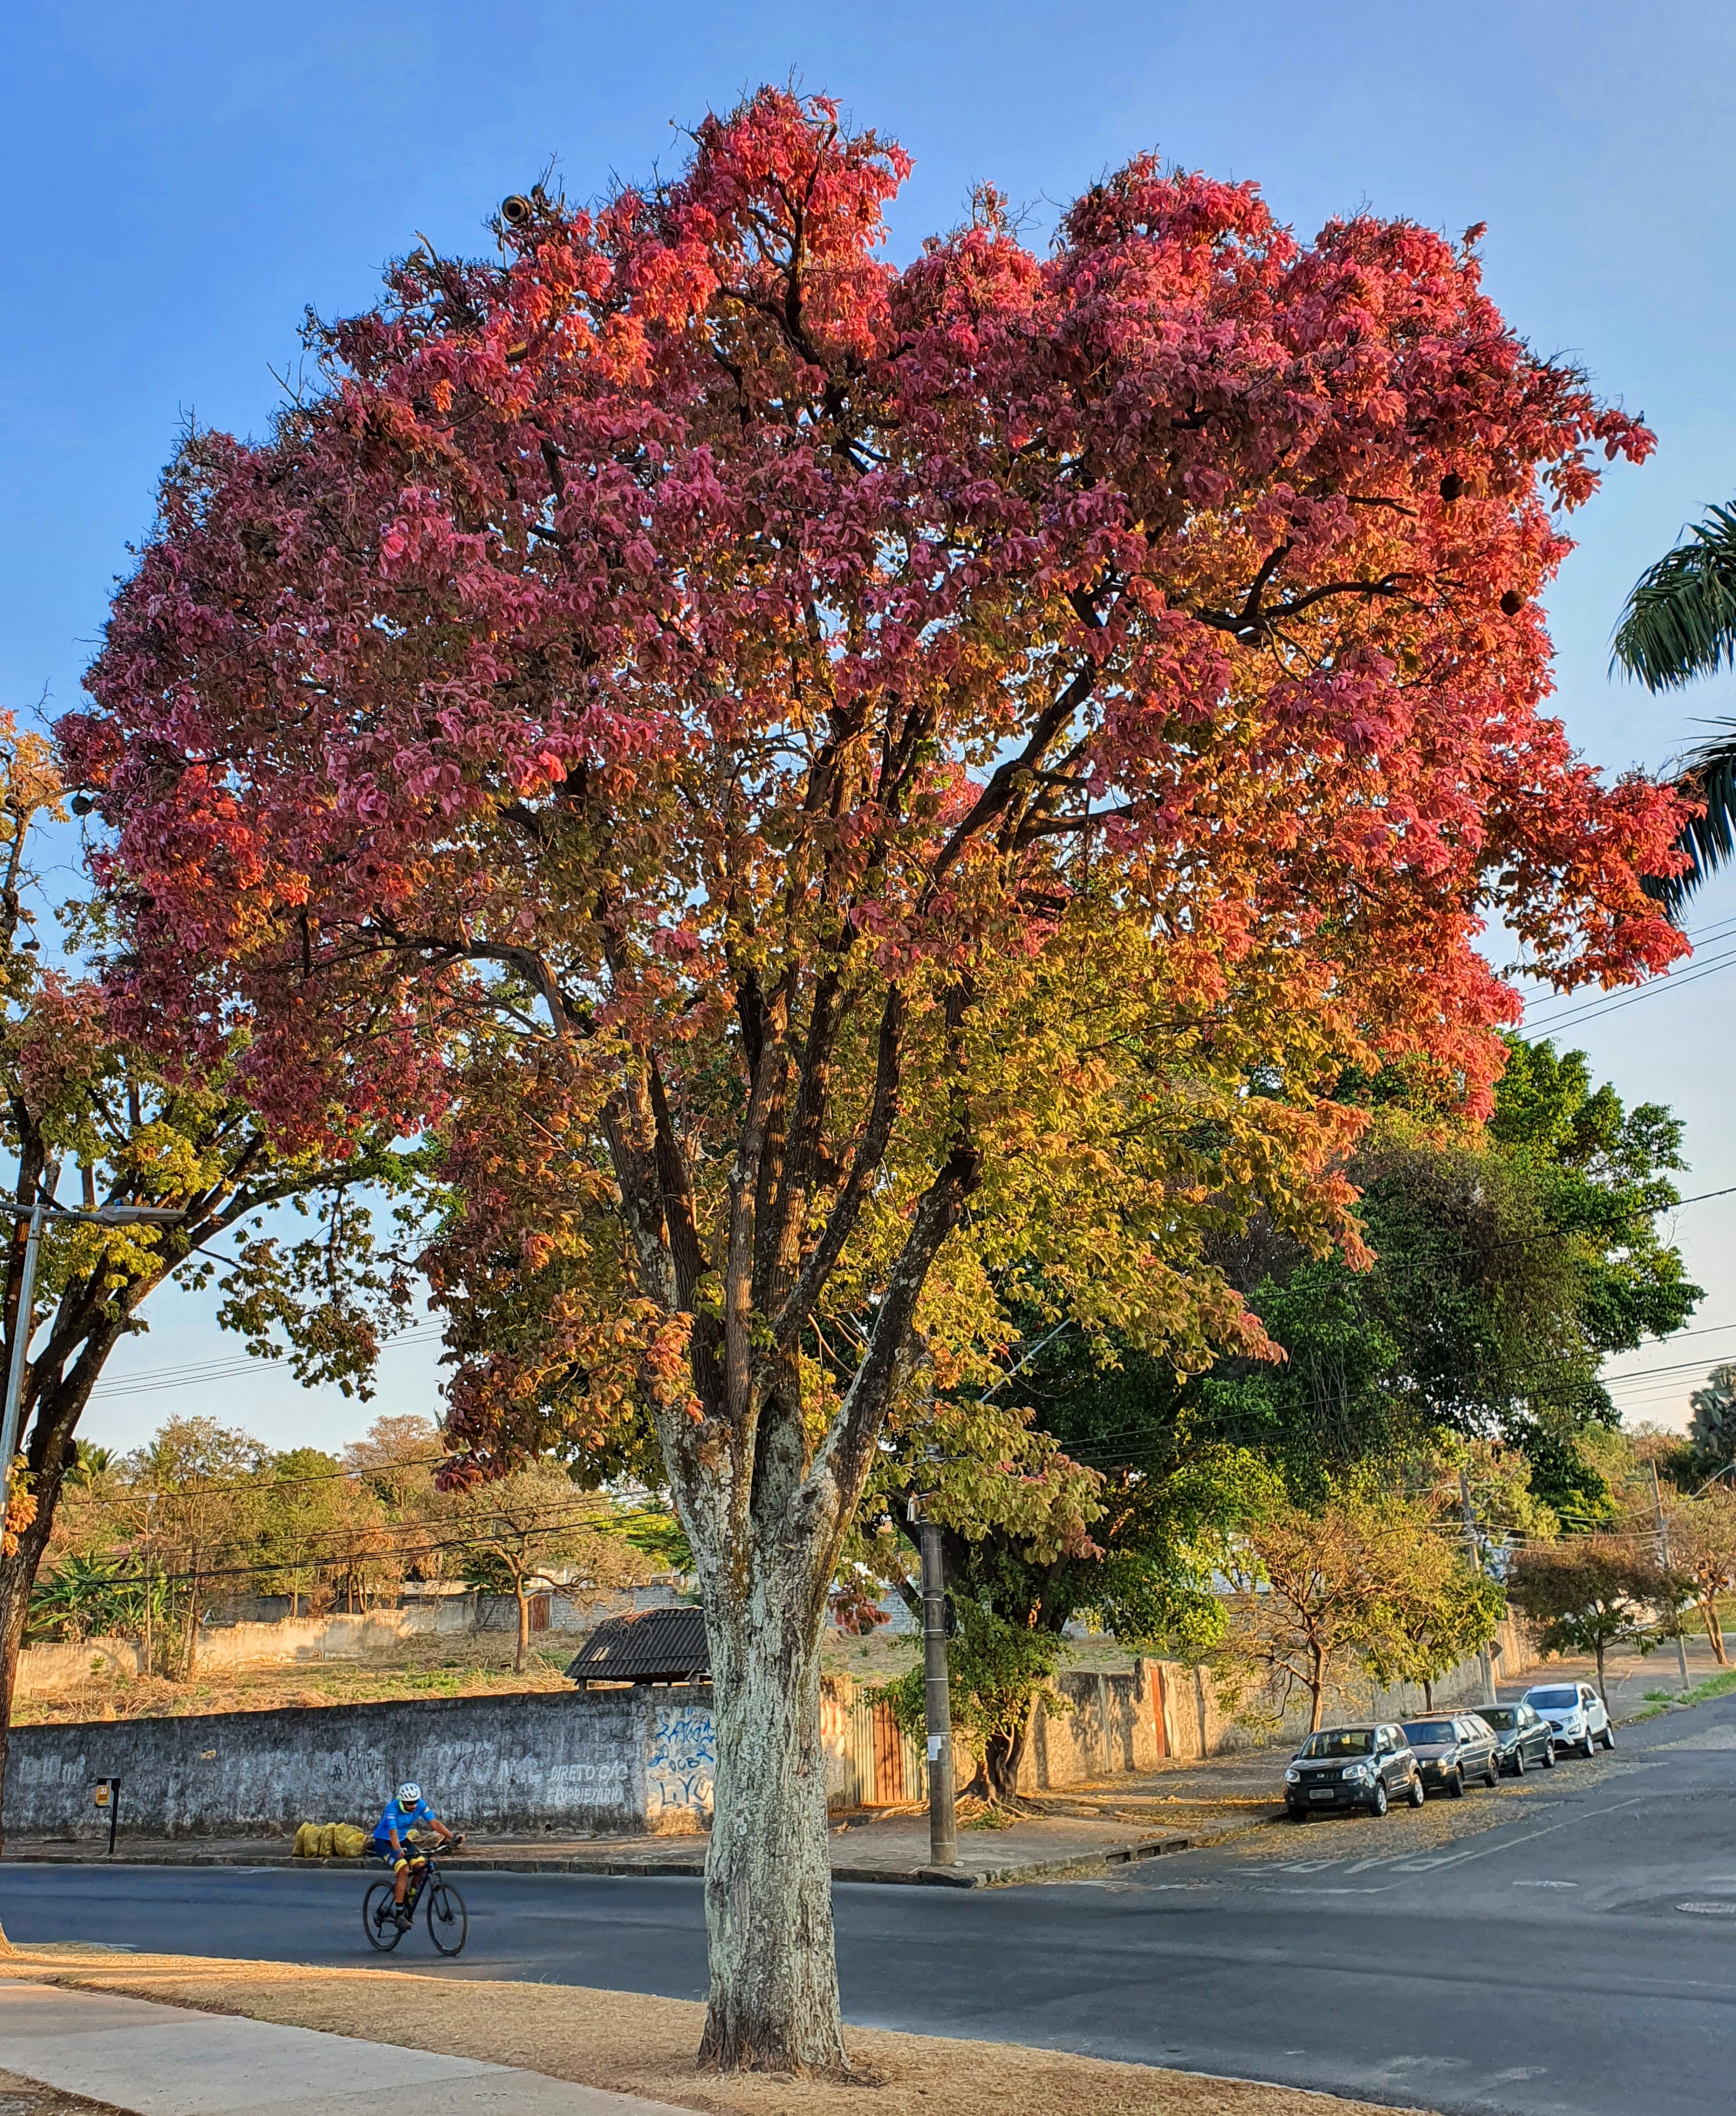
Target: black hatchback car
1523,1737
1340,1767
1453,1746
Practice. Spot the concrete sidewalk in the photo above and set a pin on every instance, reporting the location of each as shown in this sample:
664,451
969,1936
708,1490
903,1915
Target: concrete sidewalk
171,2061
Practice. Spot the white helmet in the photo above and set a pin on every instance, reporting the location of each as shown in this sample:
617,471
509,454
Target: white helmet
409,1793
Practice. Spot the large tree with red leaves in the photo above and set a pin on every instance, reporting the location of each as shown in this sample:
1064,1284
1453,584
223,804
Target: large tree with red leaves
859,795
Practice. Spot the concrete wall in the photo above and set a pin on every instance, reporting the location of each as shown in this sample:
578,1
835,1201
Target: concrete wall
602,1762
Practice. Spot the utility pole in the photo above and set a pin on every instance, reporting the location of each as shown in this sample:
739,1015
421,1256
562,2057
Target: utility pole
1474,1548
1657,1509
943,1841
23,1328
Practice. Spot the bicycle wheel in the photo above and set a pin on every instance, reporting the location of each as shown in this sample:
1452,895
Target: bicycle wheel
378,1922
448,1921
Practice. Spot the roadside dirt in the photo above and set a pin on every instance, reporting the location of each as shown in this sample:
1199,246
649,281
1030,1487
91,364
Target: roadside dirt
20,2096
645,2046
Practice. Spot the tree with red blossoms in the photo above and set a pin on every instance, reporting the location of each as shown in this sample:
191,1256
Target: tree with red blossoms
859,797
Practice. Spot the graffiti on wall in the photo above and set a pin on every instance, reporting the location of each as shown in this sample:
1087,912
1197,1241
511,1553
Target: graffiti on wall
683,1760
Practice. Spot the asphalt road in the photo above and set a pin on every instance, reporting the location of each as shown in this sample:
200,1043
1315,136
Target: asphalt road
1566,1944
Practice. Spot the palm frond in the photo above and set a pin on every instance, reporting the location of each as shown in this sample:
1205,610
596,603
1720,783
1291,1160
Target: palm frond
1707,774
1680,620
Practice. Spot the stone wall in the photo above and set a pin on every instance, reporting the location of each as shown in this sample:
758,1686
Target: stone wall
603,1762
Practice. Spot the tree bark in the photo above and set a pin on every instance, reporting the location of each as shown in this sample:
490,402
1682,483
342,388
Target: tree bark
524,1625
774,1980
1714,1630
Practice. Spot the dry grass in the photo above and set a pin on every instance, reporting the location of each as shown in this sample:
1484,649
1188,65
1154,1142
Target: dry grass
645,2046
480,1666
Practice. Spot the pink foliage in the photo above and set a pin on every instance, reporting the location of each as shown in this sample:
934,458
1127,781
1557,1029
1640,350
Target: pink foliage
622,532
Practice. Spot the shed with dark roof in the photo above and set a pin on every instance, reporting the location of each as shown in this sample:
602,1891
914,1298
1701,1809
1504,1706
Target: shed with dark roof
652,1645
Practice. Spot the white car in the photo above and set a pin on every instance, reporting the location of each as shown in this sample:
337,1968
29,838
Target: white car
1579,1715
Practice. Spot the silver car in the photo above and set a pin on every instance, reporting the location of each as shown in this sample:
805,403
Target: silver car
1579,1715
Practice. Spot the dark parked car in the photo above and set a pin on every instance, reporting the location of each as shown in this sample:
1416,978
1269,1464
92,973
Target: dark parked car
1522,1737
1453,1746
1368,1767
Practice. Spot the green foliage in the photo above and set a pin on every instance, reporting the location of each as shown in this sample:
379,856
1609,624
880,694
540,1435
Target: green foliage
85,1597
653,1530
1713,1426
1508,1264
998,1669
1680,621
1679,624
1589,1593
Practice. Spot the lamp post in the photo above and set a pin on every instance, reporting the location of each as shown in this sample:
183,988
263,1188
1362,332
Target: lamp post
42,1208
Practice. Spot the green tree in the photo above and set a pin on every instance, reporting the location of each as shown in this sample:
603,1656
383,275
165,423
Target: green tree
203,1484
1589,1592
1321,1596
1702,1548
515,1529
1509,1263
1712,1428
302,1514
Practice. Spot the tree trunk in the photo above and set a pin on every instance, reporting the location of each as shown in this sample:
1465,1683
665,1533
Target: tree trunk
1002,1755
1714,1631
1601,1691
1316,1690
1428,1695
774,1980
524,1626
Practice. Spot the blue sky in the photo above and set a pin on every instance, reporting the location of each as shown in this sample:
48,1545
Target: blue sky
181,182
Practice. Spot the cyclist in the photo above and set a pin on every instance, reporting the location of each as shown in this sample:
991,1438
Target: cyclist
407,1811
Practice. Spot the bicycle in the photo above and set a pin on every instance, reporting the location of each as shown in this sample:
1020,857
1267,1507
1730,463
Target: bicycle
448,1920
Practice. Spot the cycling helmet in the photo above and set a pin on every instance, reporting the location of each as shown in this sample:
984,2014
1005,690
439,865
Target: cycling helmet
409,1793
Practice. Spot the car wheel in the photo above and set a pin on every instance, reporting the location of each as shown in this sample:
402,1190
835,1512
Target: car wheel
1519,1762
1548,1756
1417,1792
1298,1814
1377,1802
1492,1776
1456,1786
1609,1737
1588,1747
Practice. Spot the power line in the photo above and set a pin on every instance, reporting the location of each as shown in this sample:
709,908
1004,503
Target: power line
1553,1023
152,1380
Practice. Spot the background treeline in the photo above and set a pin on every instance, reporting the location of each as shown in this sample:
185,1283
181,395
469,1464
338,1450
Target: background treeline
146,1545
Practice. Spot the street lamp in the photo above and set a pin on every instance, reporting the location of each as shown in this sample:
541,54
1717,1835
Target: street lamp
101,1216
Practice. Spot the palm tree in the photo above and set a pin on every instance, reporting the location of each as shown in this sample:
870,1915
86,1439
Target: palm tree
1680,624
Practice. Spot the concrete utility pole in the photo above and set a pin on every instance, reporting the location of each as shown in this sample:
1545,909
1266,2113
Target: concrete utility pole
1657,1508
1472,1544
943,1841
25,1327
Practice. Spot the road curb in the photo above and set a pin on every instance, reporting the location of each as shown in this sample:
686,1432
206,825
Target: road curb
1132,1852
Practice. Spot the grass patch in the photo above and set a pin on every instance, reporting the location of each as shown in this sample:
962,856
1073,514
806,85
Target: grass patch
1714,1685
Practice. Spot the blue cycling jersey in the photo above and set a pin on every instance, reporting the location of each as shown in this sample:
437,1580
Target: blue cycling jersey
403,1821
